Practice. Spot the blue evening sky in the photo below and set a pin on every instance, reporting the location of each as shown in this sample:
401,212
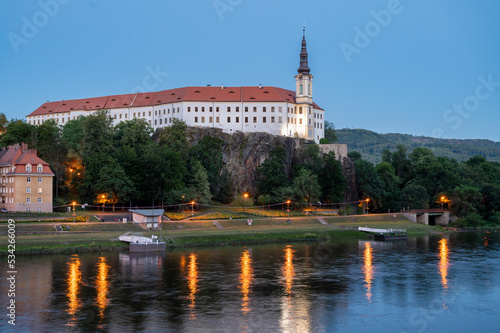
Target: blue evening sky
421,67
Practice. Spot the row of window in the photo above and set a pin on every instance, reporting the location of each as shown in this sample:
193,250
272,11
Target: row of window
28,179
237,109
28,200
158,112
39,168
28,190
237,120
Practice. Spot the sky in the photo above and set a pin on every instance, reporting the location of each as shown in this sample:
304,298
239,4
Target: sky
420,67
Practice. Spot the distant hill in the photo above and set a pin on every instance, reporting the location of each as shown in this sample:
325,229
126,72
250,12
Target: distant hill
371,145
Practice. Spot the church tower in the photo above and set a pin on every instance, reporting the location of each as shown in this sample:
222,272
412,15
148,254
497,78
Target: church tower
303,92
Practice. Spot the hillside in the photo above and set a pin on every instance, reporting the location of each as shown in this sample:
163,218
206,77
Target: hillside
371,145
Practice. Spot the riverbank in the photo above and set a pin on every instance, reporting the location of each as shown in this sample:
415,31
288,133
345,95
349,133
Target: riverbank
41,238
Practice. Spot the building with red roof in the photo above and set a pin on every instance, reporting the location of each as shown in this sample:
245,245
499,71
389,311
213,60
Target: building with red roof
26,180
248,109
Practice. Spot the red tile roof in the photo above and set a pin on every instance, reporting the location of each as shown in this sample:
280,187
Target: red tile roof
190,94
19,154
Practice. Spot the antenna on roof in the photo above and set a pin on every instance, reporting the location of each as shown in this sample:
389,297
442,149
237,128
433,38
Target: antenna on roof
304,30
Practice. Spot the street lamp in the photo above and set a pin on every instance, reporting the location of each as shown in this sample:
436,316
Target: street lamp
192,208
103,201
74,215
288,208
366,207
245,195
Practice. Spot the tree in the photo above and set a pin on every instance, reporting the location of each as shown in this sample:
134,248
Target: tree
271,173
466,200
400,163
48,142
3,122
225,194
392,194
308,157
174,137
370,185
330,134
305,186
199,185
208,152
354,155
333,182
414,196
17,131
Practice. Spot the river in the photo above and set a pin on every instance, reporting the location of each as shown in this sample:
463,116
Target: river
441,283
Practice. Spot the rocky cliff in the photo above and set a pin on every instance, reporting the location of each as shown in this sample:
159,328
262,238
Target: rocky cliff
244,152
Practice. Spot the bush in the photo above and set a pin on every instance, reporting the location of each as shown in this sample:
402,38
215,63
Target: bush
474,220
346,210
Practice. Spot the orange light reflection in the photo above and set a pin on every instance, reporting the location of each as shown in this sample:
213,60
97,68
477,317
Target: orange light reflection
246,275
368,270
443,262
74,280
288,271
102,285
192,283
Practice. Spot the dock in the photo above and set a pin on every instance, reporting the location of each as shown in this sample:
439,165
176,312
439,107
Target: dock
139,243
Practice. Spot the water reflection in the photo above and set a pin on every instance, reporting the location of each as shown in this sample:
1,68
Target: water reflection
192,283
74,281
443,262
246,276
102,285
368,270
288,271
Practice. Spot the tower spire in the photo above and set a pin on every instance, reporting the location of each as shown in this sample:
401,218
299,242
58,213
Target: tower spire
304,62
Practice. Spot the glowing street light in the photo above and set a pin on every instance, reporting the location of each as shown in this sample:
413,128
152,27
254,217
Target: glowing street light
288,208
103,202
192,208
245,195
74,214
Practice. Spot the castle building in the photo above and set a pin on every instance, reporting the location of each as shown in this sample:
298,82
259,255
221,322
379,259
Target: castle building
273,110
25,179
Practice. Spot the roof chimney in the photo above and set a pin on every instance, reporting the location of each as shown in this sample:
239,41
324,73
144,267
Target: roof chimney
260,86
222,86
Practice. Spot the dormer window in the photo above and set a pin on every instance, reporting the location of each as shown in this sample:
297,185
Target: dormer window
28,167
39,168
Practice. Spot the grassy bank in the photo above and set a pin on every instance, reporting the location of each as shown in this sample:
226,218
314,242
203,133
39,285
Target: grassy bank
96,237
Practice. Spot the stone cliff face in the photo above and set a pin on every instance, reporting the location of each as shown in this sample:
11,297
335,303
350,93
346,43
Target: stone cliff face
244,152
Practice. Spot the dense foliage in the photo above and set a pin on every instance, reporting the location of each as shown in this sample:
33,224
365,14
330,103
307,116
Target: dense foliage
421,180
